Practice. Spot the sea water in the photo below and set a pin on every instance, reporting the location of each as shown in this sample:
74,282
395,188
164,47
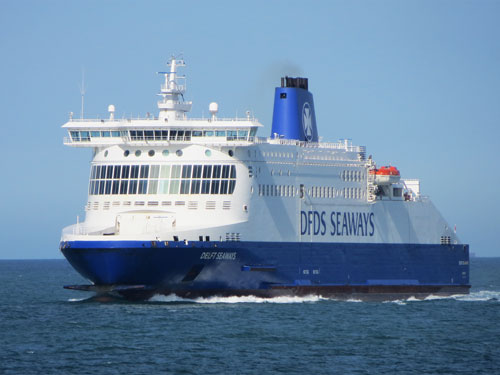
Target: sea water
45,329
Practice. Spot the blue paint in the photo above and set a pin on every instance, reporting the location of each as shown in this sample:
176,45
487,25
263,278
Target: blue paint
226,264
293,113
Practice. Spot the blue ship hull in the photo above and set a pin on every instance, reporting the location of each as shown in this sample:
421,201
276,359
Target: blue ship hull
138,269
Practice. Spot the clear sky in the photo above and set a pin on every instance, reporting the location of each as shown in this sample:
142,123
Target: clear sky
417,82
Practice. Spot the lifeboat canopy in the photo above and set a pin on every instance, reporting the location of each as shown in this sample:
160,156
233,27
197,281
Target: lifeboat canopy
385,175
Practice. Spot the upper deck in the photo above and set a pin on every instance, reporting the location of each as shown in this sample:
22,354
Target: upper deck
172,126
97,132
151,131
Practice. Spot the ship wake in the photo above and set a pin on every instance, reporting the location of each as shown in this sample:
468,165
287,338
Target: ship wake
237,299
479,296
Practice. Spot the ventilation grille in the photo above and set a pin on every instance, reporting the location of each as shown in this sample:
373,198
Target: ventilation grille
116,203
193,205
166,203
107,205
153,203
139,203
180,203
226,205
127,203
210,205
95,206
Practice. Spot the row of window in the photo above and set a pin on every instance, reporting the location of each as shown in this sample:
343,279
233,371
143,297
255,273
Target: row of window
191,205
277,190
331,192
162,135
314,192
352,176
165,179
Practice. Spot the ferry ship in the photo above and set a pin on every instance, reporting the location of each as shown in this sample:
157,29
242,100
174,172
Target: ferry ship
205,207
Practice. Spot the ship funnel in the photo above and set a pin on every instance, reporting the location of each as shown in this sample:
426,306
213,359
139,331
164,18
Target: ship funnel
293,114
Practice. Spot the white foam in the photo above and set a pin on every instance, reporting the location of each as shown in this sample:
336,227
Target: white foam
482,295
77,299
400,302
169,298
348,300
231,300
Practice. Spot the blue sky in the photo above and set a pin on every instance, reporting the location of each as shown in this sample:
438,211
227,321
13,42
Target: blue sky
417,82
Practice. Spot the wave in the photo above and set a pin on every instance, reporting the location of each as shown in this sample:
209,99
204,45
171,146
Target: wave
232,300
479,296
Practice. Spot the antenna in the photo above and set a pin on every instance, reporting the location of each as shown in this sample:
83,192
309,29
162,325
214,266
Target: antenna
82,92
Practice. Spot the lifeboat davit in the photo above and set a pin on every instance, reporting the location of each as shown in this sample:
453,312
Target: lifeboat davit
386,175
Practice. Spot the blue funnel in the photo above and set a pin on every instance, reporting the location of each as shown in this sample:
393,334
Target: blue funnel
293,114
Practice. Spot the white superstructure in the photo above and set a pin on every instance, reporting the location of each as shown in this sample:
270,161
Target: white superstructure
173,177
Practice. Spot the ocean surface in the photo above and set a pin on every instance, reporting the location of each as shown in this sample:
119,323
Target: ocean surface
45,329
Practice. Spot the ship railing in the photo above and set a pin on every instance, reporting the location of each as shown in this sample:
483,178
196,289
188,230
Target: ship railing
235,141
294,142
155,118
81,229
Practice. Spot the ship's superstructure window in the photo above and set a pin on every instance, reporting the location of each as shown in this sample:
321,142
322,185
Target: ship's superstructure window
87,136
165,179
276,190
352,193
313,192
352,176
163,134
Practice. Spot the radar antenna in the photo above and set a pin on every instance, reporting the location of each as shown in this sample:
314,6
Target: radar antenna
82,92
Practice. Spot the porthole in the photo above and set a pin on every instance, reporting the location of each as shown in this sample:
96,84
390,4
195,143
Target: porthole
178,152
106,153
208,153
126,153
165,153
230,153
138,153
151,152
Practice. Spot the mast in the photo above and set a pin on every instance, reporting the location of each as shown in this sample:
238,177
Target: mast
172,106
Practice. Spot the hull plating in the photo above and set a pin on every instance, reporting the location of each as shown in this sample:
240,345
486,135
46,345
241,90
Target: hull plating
269,269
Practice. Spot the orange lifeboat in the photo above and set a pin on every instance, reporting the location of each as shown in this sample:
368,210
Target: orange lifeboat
386,175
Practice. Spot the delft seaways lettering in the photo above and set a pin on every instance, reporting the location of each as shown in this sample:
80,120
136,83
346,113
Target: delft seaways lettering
337,223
